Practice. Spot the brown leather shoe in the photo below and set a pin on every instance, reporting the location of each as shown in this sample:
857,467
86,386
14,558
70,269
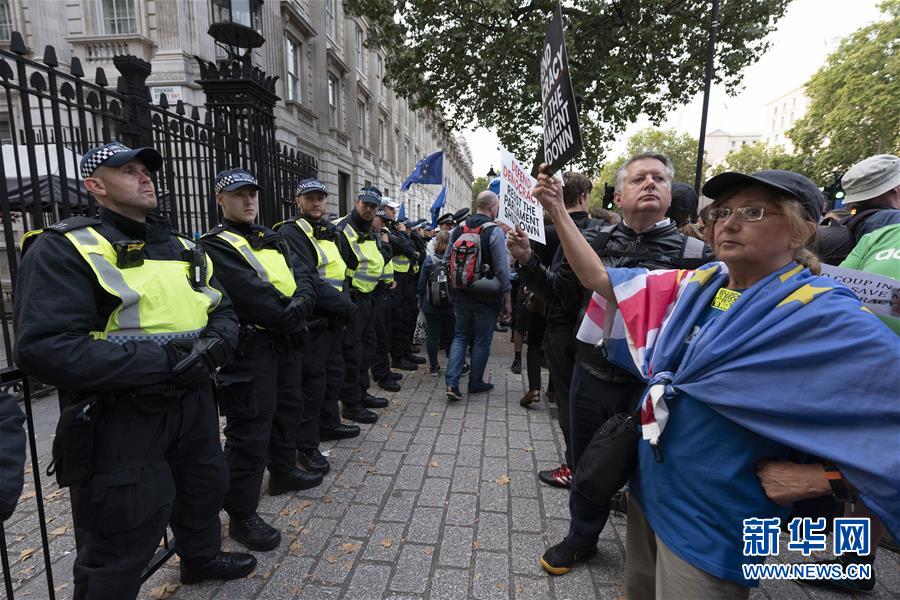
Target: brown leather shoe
530,398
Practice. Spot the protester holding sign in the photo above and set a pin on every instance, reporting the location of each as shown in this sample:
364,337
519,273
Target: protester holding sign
745,357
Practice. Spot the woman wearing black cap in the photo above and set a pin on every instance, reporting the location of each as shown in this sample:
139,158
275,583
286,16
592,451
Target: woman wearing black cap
741,359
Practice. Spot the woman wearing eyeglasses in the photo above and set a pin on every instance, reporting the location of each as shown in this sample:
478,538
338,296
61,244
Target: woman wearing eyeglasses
752,363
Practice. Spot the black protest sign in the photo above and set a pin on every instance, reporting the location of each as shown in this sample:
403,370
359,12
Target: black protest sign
562,135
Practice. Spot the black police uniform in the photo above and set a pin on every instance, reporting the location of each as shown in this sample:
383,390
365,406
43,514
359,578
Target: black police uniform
156,455
359,340
322,362
382,299
259,390
403,304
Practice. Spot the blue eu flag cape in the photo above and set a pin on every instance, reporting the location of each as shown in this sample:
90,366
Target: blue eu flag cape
796,359
438,205
428,170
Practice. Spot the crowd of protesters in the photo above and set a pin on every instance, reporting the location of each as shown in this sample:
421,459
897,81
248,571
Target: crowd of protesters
711,329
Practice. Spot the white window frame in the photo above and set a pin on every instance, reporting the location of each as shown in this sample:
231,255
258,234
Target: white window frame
6,24
361,54
292,52
334,101
114,25
362,110
331,19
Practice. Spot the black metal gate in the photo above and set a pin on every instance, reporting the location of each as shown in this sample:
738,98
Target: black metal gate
54,116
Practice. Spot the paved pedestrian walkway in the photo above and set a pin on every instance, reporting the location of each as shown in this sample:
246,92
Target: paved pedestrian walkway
436,501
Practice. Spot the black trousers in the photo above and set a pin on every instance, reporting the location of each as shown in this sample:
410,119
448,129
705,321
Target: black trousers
259,394
359,351
560,348
150,468
403,323
330,414
382,313
537,325
317,351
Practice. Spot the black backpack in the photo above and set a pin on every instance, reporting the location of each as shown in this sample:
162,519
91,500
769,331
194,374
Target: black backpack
836,239
438,288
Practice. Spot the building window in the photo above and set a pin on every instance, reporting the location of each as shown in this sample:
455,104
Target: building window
333,98
118,17
292,58
6,135
361,117
382,142
360,50
5,21
330,22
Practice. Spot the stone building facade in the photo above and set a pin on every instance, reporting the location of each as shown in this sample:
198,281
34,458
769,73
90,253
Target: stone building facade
334,104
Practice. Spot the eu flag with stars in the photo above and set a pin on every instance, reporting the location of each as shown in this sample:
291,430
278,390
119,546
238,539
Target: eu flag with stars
428,170
438,205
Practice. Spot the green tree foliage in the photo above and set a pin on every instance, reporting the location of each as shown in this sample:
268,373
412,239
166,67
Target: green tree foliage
853,111
480,184
478,61
681,149
750,158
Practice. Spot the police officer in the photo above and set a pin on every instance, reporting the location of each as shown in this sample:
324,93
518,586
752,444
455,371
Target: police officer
259,388
126,319
314,243
365,266
381,311
403,296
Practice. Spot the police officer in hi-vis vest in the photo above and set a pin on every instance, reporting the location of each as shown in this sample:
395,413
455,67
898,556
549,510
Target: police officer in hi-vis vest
381,310
314,243
365,265
126,319
259,389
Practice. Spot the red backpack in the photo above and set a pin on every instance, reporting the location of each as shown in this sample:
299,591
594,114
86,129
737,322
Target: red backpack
467,257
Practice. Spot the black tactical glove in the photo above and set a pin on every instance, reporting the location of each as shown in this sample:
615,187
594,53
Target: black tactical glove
200,362
294,315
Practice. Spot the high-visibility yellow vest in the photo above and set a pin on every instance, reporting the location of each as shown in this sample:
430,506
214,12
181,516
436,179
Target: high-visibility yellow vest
369,258
329,263
387,275
270,265
401,263
157,301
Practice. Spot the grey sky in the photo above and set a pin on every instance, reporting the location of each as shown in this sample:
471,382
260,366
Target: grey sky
809,31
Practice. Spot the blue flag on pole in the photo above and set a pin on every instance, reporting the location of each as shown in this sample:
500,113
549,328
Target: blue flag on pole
402,214
438,205
428,170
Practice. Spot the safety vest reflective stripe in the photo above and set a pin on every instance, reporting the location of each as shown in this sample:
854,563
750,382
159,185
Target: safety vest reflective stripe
387,275
330,265
401,263
157,301
369,258
275,271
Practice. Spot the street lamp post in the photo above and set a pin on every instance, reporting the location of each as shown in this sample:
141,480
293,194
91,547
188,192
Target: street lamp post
491,174
710,59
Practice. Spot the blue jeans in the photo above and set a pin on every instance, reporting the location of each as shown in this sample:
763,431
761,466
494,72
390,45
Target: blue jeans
476,321
591,402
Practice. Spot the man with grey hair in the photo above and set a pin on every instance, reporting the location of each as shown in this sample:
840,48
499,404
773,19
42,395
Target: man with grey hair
476,308
599,390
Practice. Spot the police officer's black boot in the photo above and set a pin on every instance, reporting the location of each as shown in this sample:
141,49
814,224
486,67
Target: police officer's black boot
404,364
417,360
289,481
370,401
254,533
341,432
224,566
389,385
313,461
360,414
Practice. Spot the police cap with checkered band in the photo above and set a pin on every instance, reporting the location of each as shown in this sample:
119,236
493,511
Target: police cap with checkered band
116,154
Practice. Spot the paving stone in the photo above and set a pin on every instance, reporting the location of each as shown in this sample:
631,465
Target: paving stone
368,583
450,584
399,506
441,465
373,489
409,478
493,496
469,456
493,531
434,492
406,424
417,454
337,560
315,535
399,440
415,561
357,520
495,446
385,541
456,546
425,525
451,427
425,435
527,549
447,443
529,588
495,429
526,515
461,509
465,479
491,578
576,584
493,468
320,592
388,462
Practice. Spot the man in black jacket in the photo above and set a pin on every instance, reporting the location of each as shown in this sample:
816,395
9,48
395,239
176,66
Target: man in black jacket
599,389
259,388
126,319
537,269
